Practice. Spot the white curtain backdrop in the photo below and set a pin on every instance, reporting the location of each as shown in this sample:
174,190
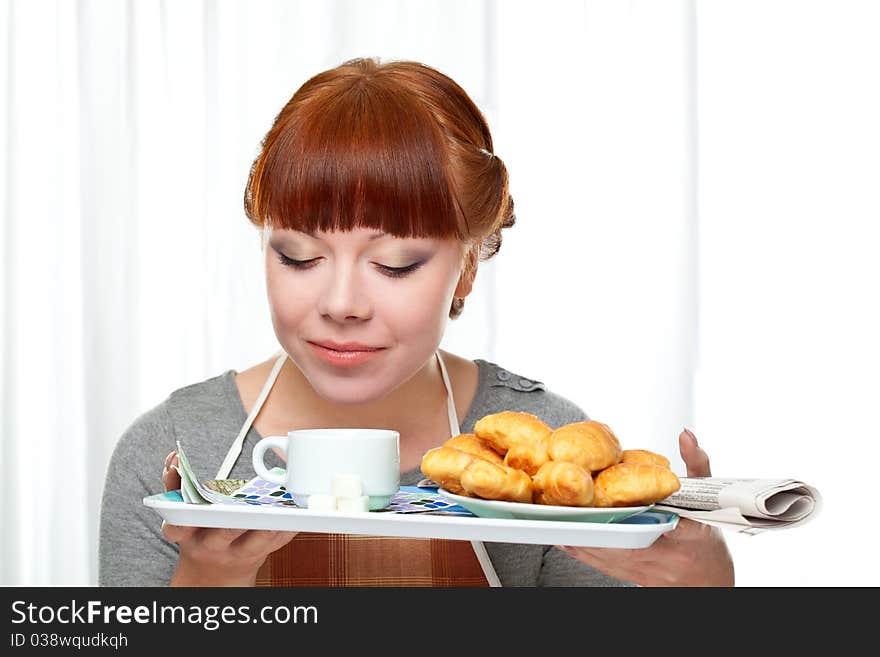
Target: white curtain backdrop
696,192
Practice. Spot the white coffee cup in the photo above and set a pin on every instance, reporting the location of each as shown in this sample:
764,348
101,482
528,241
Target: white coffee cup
316,456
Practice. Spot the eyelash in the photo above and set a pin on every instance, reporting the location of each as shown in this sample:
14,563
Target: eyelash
393,272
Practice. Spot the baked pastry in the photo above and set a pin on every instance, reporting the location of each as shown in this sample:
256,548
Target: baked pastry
444,466
496,482
590,444
644,456
470,443
633,484
528,457
562,483
506,428
600,499
516,457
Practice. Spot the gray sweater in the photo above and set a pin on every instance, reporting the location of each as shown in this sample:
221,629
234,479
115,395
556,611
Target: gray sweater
207,416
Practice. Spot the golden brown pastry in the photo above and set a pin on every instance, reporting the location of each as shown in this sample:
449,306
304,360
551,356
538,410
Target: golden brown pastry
444,466
590,444
496,482
562,483
644,456
528,457
468,442
634,484
600,499
514,456
504,429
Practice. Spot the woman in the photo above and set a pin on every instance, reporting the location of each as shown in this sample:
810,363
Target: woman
378,193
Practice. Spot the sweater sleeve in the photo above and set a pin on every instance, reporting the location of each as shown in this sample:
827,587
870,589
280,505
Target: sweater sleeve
132,549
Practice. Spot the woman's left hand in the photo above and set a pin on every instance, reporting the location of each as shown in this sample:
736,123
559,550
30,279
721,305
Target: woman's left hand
692,554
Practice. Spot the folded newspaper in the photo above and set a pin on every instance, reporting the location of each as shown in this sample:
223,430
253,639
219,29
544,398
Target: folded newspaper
749,506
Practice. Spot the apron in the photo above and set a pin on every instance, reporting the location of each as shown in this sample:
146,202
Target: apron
337,560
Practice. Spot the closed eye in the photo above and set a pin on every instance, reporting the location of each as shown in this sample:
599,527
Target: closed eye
398,272
296,264
393,272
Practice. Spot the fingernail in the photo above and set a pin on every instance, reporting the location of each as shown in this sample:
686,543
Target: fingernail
168,458
692,435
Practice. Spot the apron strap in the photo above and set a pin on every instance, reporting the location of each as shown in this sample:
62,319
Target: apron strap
454,429
237,444
450,401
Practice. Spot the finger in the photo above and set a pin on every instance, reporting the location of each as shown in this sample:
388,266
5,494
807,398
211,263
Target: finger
598,556
685,530
625,564
261,541
220,538
695,459
282,539
178,533
171,475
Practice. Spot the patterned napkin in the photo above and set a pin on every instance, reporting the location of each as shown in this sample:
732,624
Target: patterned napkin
412,499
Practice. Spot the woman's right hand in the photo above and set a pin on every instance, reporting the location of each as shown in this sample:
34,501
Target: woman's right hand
217,557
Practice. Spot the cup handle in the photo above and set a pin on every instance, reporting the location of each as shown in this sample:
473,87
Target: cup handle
259,454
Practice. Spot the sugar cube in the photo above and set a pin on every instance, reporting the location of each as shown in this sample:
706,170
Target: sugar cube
322,502
353,504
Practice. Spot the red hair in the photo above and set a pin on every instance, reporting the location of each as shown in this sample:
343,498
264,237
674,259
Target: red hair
398,147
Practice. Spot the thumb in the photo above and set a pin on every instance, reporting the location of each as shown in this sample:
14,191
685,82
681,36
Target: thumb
695,459
170,474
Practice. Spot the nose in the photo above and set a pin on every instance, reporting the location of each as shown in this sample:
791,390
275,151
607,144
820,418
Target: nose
344,298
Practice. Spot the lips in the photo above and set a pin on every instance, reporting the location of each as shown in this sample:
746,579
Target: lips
346,346
344,354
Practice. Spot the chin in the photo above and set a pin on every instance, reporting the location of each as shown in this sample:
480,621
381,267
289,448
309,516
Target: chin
351,392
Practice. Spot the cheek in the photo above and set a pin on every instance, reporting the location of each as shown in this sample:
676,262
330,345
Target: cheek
288,302
418,309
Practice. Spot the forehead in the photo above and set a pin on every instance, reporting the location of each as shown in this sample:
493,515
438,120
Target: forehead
357,235
368,234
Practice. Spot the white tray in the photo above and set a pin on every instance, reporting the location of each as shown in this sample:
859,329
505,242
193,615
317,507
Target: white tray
634,532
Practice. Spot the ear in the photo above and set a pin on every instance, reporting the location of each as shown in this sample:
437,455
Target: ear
468,272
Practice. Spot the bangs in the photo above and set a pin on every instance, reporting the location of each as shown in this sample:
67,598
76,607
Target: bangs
360,156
